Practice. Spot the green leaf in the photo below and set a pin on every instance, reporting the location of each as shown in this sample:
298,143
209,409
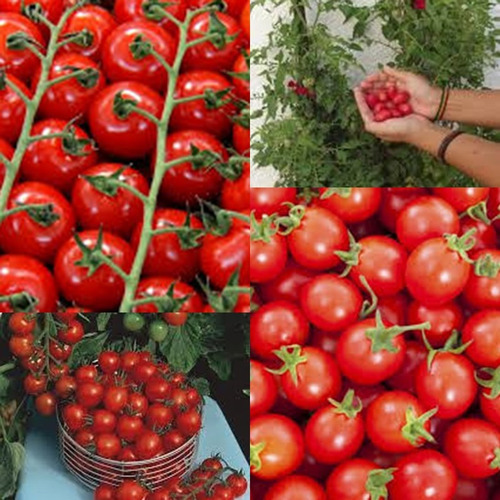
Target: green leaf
180,349
103,320
87,350
201,385
11,462
220,363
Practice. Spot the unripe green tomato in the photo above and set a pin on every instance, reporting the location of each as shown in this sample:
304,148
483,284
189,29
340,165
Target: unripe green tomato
158,330
134,322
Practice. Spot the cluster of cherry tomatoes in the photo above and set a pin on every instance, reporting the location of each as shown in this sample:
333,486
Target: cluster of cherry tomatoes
211,480
93,132
375,368
388,102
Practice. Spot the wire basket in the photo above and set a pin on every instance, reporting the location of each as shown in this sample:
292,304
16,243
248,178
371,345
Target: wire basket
93,470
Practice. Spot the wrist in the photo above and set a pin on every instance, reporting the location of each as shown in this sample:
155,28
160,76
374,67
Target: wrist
421,136
435,97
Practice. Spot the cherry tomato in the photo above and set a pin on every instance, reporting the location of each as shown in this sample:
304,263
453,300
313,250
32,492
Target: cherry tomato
245,19
483,287
393,201
22,324
268,256
271,200
404,378
107,446
485,235
71,333
45,404
148,445
462,198
235,195
296,486
241,78
105,492
348,480
12,111
115,398
471,489
65,387
35,384
482,329
351,204
89,394
175,318
22,347
189,422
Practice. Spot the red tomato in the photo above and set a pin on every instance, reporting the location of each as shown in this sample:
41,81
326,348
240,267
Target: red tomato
404,378
223,255
271,200
35,384
268,255
71,333
148,445
462,198
294,487
165,254
483,287
89,394
40,236
447,385
309,376
184,183
335,432
94,19
393,201
367,354
276,446
472,445
22,324
321,233
22,347
57,161
189,422
275,325
175,318
112,209
72,98
158,286
212,56
115,398
12,111
103,421
103,289
120,64
443,319
485,235
263,389
107,446
6,150
471,489
235,195
52,9
348,481
26,274
330,303
435,273
245,19
19,63
196,114
425,218
490,405
45,404
351,204
241,78
483,331
241,140
122,132
104,492
134,10
131,490
423,475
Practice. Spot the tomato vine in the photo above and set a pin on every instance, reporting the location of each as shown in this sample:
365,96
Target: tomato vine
306,86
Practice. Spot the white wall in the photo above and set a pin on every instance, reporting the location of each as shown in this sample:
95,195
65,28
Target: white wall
261,23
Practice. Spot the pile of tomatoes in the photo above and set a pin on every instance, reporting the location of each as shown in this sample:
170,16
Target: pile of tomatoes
92,133
211,480
375,368
388,102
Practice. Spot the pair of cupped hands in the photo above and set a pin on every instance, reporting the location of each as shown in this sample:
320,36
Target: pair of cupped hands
424,99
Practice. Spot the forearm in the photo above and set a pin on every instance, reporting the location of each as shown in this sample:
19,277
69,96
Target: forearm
476,157
475,107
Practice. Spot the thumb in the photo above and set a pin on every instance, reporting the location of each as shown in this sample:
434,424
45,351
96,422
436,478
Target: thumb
396,73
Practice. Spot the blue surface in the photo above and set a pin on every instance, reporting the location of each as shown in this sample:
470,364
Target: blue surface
44,476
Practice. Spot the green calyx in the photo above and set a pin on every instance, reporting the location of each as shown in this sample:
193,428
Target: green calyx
492,382
255,451
106,184
452,346
288,223
167,302
218,32
155,10
495,463
292,357
91,257
140,47
43,214
20,302
478,212
348,406
83,38
264,229
225,300
86,77
382,337
73,145
414,430
486,267
462,244
122,107
350,257
20,41
342,192
216,99
376,484
203,158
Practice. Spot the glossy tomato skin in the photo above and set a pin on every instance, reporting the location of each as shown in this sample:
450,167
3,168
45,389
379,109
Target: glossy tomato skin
25,274
263,389
69,99
471,489
359,363
19,63
267,258
102,290
447,385
132,10
485,235
296,486
275,325
115,212
119,64
206,56
195,114
240,82
393,201
386,417
222,256
357,205
52,9
183,184
318,379
462,198
332,437
482,329
484,291
157,286
235,195
245,19
95,19
471,444
435,274
165,256
50,161
20,234
404,378
271,200
382,262
320,234
282,446
422,475
348,480
424,218
234,7
330,302
12,110
133,136
490,406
